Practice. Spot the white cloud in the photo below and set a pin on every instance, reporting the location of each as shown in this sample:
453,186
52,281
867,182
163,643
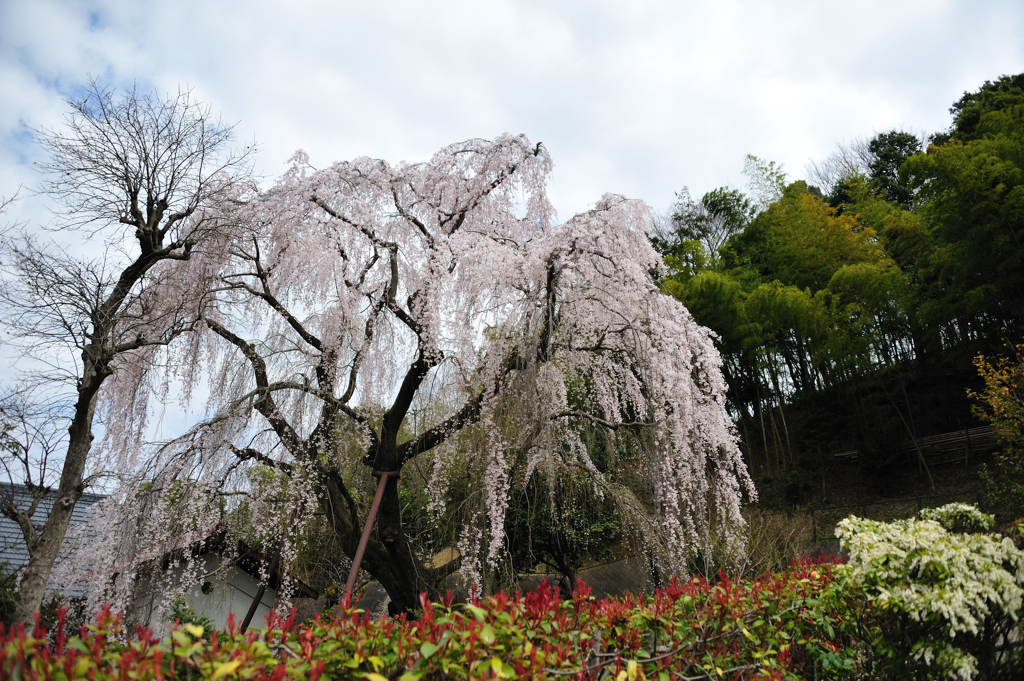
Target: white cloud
639,98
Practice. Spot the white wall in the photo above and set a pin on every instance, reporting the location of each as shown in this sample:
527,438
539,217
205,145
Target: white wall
232,592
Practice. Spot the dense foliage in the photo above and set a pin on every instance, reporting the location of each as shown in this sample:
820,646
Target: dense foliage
936,597
945,599
845,307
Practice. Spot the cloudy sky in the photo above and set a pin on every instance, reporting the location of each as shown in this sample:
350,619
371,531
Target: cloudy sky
630,96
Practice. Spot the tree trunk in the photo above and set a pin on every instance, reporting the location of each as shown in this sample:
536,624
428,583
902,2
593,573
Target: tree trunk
45,546
389,557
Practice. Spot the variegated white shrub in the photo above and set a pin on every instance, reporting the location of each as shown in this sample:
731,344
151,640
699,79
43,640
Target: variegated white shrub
950,583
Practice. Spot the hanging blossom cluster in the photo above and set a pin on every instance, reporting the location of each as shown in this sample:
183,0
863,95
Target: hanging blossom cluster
341,301
148,543
604,348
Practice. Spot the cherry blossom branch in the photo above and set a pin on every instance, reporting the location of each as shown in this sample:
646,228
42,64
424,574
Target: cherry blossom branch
248,453
412,218
357,361
367,232
614,425
305,388
502,177
267,296
141,341
366,269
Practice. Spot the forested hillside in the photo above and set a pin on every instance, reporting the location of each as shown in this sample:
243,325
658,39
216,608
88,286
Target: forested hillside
849,306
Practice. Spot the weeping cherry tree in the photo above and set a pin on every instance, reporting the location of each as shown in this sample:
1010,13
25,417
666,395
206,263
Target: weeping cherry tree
350,297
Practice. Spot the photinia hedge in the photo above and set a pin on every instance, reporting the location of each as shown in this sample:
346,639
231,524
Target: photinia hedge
772,628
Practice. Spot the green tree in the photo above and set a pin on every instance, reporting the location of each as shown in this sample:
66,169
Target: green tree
968,111
799,240
717,300
804,299
698,229
890,151
974,212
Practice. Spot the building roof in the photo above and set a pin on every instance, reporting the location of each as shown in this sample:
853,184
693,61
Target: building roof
13,550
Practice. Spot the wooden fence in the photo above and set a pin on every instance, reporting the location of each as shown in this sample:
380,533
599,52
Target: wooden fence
956,447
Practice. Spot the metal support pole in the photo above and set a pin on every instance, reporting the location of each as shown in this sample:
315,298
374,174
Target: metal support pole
365,539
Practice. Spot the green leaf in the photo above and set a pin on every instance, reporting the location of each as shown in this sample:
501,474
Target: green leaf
487,634
76,643
479,613
428,649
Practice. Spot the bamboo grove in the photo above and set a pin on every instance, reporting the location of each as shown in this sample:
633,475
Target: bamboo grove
870,283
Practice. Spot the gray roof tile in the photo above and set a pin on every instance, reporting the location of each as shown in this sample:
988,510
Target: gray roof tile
12,543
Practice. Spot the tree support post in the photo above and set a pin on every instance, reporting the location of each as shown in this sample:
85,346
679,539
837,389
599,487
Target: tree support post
365,539
260,591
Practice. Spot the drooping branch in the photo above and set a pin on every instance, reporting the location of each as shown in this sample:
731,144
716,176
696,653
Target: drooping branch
612,425
364,271
250,454
264,403
357,361
276,305
326,397
458,218
366,231
411,218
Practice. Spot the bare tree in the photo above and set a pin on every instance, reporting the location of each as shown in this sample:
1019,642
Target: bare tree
104,287
847,161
